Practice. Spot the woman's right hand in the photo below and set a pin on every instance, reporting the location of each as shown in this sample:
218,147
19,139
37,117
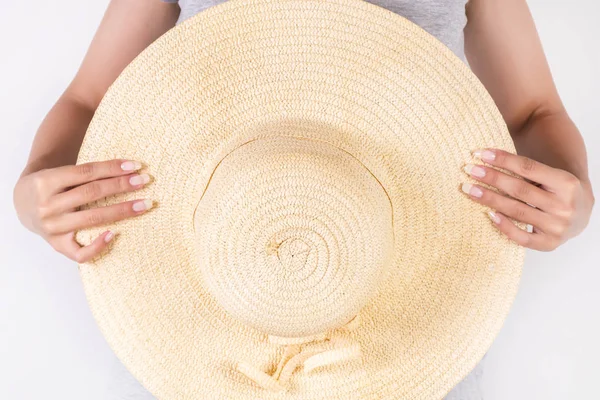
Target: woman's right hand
48,201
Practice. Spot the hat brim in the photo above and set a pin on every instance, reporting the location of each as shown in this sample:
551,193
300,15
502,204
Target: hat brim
361,78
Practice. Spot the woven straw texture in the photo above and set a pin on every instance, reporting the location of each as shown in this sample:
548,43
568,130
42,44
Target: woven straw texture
306,157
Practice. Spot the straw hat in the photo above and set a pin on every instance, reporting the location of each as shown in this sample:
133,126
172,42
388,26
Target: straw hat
309,239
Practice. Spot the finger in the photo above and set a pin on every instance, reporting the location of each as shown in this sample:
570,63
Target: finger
514,187
522,166
510,207
96,190
535,241
75,175
96,216
83,254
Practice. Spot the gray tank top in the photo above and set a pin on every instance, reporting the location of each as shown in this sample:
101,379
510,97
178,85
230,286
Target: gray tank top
444,19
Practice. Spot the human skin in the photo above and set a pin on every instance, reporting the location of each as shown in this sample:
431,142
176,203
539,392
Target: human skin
503,50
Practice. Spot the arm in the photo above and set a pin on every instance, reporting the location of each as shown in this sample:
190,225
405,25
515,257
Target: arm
127,28
504,51
51,189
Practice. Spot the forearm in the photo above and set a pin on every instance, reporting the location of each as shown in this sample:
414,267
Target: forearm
60,135
553,139
127,28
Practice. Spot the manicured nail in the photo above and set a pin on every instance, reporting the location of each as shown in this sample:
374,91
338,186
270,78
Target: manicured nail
486,155
137,180
109,236
471,190
474,170
494,217
131,166
142,205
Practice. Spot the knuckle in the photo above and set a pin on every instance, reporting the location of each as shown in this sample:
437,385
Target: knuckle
558,228
520,212
523,240
527,165
564,224
492,177
92,190
568,208
86,170
501,157
47,226
79,257
572,182
43,212
564,209
563,229
491,199
560,237
124,211
95,218
564,217
122,184
521,190
38,183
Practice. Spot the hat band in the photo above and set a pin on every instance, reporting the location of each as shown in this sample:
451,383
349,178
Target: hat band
340,349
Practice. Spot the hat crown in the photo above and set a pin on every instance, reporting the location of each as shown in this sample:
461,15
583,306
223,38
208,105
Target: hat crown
293,235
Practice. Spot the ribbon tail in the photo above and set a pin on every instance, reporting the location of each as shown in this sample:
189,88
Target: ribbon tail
329,357
290,351
259,377
293,363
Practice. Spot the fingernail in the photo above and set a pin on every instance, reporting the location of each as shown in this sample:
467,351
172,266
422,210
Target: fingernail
474,170
131,166
494,217
487,155
142,205
471,190
109,236
139,179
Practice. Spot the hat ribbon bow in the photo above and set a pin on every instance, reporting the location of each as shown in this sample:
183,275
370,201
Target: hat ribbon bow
311,358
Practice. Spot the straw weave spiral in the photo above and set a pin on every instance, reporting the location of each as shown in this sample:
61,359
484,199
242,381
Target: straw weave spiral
293,235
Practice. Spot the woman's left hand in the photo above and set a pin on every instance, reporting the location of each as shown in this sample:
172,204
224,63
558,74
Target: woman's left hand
555,202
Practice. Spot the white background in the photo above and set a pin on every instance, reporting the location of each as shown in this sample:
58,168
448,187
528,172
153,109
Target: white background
50,347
